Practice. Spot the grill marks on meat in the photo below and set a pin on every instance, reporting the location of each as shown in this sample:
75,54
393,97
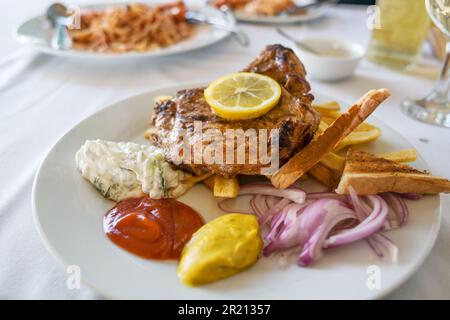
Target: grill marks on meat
293,116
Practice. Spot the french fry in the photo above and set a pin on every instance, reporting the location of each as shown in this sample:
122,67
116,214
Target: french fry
322,127
408,155
366,126
225,187
330,117
328,108
333,161
324,175
358,137
209,182
326,142
195,179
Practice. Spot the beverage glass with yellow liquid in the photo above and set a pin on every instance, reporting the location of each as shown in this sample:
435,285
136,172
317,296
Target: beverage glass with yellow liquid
400,29
435,107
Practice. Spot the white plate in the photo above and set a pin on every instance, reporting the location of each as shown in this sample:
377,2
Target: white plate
36,33
68,213
310,15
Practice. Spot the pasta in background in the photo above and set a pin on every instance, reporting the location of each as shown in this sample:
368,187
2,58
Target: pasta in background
133,27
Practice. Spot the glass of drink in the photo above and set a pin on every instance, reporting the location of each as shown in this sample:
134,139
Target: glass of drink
435,107
401,27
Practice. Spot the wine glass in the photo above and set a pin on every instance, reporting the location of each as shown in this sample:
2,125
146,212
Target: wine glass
435,107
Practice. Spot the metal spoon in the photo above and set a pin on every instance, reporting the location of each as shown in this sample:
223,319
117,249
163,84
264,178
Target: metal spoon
60,18
298,43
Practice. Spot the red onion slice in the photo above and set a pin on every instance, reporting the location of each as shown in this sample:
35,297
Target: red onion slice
326,195
222,204
285,232
388,245
410,196
398,215
271,201
268,215
296,195
369,226
317,221
362,210
258,205
375,246
312,222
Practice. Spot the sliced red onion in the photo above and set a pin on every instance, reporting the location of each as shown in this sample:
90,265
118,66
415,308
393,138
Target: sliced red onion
285,232
398,215
362,210
375,246
410,196
388,245
258,205
268,215
222,204
387,223
369,226
327,195
316,222
296,195
312,222
271,201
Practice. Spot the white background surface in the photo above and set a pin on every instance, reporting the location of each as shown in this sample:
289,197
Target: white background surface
41,97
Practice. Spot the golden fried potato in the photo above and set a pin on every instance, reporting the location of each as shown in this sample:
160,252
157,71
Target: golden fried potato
408,155
225,187
328,108
324,175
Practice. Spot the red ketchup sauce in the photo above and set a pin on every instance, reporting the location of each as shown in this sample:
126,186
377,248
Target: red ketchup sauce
151,228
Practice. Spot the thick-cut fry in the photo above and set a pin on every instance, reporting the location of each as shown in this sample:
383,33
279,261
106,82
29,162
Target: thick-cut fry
304,160
226,187
409,155
333,161
327,109
324,175
358,137
329,118
209,182
364,133
195,179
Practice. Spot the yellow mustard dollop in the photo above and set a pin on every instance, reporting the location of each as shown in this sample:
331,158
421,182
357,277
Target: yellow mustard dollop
221,248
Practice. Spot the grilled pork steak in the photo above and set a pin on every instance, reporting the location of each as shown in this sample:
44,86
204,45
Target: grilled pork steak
177,119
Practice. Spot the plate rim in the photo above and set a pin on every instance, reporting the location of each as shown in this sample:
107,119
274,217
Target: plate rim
431,240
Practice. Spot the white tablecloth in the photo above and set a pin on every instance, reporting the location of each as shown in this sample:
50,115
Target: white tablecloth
41,97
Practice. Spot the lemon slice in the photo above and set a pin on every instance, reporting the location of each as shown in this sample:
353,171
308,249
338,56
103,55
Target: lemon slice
243,95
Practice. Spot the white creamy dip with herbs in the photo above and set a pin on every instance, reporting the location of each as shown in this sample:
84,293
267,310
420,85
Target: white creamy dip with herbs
121,170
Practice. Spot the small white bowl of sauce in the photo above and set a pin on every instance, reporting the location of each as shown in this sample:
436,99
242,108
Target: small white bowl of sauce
329,59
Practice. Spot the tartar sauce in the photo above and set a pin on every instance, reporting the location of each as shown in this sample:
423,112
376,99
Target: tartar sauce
121,170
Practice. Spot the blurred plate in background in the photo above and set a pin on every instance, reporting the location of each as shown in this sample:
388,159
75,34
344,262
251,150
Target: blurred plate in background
310,15
37,32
